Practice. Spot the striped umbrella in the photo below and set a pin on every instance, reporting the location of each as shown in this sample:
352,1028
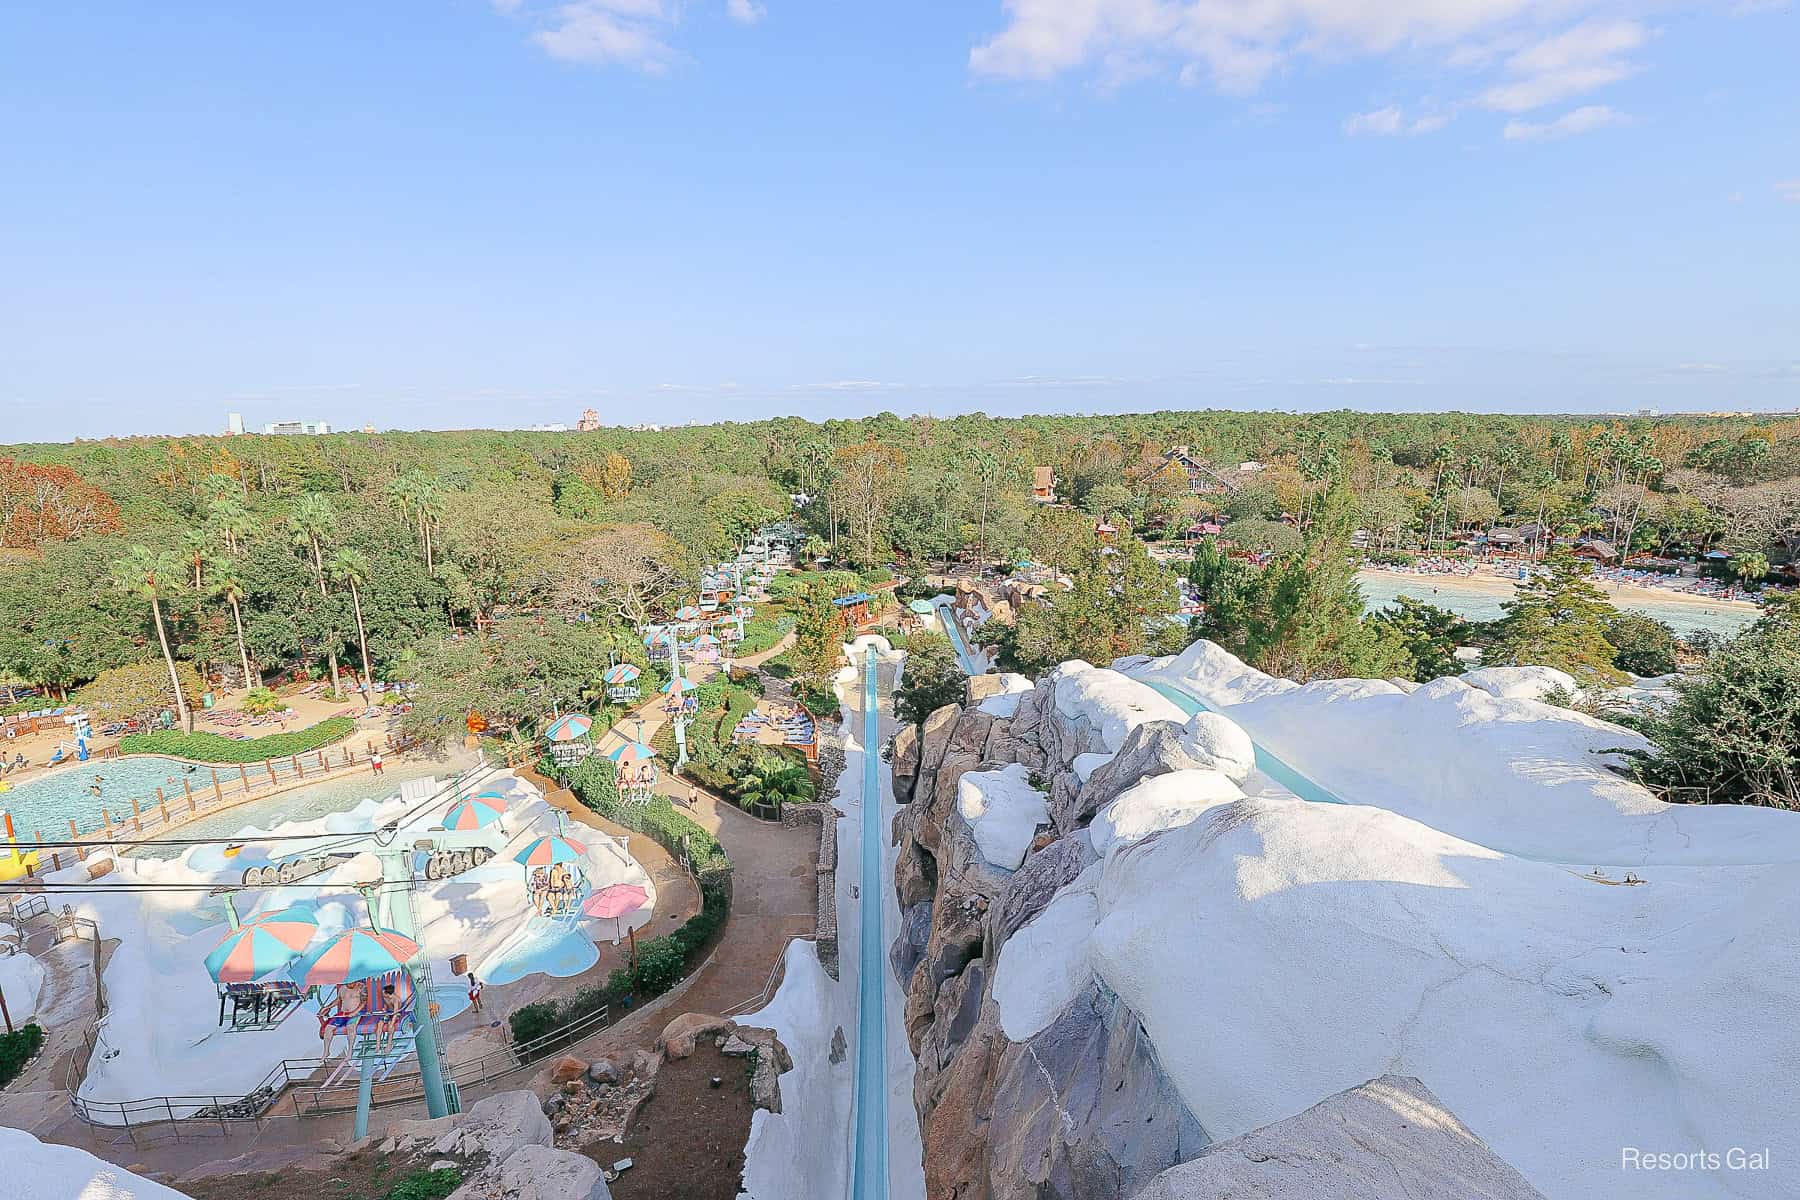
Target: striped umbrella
551,848
630,752
571,728
706,639
687,612
621,674
678,685
476,812
356,954
268,943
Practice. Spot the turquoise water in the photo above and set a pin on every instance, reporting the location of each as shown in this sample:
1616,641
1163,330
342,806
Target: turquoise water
871,1168
1447,591
546,946
47,804
1267,763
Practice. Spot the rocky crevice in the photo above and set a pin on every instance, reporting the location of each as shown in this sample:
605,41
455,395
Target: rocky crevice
1082,1108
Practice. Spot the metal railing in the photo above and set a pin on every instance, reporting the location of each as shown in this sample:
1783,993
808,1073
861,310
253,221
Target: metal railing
770,985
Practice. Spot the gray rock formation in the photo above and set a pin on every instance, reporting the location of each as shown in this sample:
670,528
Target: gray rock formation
538,1173
1082,1110
1390,1137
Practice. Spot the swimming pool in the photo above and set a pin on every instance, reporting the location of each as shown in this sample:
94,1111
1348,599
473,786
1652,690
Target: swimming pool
47,804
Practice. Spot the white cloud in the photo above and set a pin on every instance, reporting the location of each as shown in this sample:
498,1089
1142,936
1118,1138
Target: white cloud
1789,190
1567,64
1392,121
1540,52
1582,120
631,33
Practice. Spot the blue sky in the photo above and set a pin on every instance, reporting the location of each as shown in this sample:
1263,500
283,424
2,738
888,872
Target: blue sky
499,212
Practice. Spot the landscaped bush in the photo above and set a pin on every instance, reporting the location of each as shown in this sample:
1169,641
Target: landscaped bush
216,748
738,703
762,633
16,1049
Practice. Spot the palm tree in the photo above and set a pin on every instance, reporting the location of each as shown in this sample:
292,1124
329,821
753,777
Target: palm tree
230,520
421,502
771,782
229,588
1750,566
311,522
152,576
350,567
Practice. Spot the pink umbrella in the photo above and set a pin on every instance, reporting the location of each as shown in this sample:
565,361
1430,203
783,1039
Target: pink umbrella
615,901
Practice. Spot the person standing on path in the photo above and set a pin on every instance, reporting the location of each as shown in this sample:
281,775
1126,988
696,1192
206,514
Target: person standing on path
375,761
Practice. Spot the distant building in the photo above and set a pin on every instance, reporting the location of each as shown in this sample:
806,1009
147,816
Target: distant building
234,424
1203,479
590,421
1043,485
293,428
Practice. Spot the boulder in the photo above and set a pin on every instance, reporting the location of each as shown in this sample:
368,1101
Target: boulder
906,762
980,687
765,1084
1207,740
909,946
1083,1110
567,1070
1031,887
678,1036
934,739
767,1046
915,873
493,1127
603,1071
646,1063
1389,1137
539,1173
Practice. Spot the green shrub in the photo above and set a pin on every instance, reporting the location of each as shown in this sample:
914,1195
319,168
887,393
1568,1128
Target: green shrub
738,703
660,964
216,748
16,1049
422,1184
261,700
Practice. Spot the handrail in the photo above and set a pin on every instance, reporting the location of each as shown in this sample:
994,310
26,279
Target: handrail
769,987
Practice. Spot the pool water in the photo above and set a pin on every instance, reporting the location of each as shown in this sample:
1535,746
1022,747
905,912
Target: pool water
47,804
546,946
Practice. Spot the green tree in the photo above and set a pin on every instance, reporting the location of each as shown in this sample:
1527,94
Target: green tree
350,568
819,634
1641,644
139,691
1430,635
313,522
1733,733
1558,619
1750,567
153,576
228,587
931,679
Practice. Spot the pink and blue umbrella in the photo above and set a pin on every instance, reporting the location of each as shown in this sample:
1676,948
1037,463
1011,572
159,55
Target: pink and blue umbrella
268,943
621,674
477,812
549,849
630,752
687,612
571,728
355,955
678,685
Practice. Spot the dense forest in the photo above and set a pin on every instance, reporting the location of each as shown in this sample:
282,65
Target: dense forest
253,555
